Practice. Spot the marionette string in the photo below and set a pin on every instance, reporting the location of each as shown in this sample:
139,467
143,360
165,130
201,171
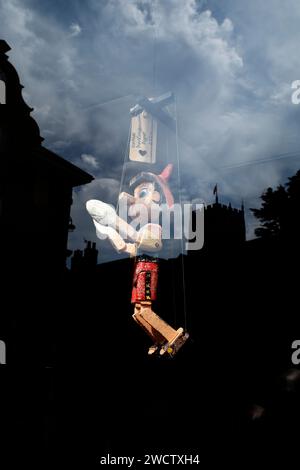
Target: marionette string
126,153
104,103
180,202
172,252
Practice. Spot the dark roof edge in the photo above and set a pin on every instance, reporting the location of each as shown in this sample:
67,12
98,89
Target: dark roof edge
77,175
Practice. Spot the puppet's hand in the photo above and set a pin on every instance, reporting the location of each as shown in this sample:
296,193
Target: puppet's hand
105,214
101,212
103,231
108,225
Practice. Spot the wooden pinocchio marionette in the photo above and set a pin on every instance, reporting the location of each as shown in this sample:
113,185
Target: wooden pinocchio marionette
148,192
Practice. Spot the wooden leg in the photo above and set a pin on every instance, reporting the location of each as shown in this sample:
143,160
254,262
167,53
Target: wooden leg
159,325
147,327
164,336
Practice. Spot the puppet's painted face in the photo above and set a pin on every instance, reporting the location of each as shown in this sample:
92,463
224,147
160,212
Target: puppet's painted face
144,194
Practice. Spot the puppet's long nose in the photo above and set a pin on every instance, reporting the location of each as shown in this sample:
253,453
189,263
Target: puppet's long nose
126,198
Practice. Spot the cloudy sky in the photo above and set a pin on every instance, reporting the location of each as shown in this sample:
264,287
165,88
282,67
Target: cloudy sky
230,63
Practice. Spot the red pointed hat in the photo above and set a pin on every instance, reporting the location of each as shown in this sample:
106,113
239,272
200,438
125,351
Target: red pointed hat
161,180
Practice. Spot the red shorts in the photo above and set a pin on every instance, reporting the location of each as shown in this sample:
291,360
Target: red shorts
144,281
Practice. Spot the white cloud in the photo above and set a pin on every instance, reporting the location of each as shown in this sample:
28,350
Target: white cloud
105,189
75,29
90,161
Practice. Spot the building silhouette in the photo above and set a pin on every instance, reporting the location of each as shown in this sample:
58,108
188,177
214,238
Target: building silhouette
35,200
85,259
35,186
224,228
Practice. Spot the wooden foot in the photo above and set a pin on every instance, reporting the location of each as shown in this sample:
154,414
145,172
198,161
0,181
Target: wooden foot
173,346
153,349
166,339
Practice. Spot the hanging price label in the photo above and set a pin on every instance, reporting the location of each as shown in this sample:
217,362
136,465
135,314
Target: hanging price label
143,138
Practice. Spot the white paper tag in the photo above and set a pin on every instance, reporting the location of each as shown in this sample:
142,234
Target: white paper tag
143,138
